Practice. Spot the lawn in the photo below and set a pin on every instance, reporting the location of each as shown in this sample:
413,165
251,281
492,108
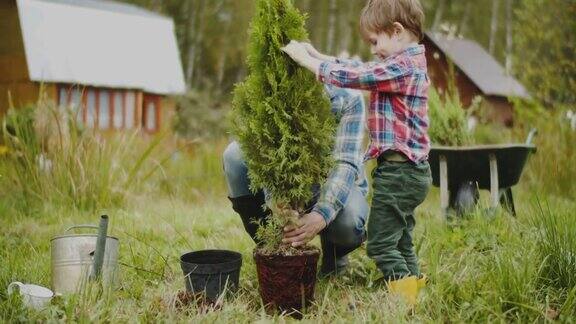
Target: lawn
162,204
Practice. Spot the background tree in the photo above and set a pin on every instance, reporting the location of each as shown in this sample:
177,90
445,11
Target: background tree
546,49
536,34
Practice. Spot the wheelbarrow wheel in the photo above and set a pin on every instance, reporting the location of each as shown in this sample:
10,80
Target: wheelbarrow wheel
466,198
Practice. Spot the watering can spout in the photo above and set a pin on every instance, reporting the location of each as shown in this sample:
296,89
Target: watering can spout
100,247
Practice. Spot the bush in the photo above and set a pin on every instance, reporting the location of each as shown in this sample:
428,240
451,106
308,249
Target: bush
448,119
556,153
201,115
52,160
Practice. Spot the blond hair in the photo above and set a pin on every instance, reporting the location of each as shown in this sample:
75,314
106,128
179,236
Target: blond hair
380,15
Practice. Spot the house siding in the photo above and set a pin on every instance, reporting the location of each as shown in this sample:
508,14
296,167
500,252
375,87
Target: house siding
14,82
498,109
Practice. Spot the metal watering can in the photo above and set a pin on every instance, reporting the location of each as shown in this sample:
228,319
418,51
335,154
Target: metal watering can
77,258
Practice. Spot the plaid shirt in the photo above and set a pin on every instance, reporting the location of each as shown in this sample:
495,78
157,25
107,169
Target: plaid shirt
348,107
398,116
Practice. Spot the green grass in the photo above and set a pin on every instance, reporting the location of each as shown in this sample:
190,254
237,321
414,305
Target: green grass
482,269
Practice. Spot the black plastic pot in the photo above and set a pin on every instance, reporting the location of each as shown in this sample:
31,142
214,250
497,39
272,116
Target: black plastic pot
209,273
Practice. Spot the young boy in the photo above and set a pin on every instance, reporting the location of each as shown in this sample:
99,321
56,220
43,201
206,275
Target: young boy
398,125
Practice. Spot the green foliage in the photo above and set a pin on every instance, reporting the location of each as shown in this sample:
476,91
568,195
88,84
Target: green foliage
546,44
557,247
556,151
20,124
270,235
543,42
201,115
50,159
481,269
448,119
281,115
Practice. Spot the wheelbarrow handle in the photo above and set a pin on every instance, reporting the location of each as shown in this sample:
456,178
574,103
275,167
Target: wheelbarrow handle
531,135
81,226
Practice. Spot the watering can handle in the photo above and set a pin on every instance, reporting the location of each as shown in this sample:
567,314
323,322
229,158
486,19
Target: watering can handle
14,284
81,226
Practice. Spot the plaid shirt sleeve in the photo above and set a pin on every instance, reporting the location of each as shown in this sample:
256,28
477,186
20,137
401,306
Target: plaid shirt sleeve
349,62
348,152
387,76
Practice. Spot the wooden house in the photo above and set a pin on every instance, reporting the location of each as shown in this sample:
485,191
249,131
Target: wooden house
475,73
114,64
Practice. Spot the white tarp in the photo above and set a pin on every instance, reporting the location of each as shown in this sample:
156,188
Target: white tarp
99,47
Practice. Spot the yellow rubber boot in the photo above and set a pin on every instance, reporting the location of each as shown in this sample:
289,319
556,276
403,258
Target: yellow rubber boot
422,281
407,288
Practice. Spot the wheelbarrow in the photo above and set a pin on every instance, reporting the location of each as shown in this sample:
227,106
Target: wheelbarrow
460,171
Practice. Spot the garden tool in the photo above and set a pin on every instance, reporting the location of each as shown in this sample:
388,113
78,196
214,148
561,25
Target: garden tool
79,257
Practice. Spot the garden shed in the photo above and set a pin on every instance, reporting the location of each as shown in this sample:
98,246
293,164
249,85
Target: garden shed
114,64
476,73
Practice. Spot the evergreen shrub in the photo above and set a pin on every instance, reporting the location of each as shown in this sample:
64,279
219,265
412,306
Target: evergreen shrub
281,116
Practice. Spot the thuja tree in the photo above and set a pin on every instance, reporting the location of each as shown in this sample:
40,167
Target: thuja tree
281,116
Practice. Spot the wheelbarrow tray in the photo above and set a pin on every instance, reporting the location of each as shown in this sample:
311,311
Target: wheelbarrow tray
472,163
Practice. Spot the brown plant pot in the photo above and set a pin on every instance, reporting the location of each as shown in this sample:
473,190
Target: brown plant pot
287,282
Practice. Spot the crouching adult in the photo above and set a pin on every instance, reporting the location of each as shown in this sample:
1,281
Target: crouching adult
339,210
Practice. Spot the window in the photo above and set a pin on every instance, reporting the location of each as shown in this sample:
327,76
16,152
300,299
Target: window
107,109
130,106
63,97
76,103
118,100
150,115
104,110
91,108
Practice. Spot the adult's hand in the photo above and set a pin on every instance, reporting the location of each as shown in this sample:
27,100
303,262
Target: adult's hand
309,226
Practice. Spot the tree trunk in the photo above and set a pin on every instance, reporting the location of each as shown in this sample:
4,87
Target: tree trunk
188,40
193,27
332,10
439,15
223,51
509,38
346,23
199,38
494,26
463,28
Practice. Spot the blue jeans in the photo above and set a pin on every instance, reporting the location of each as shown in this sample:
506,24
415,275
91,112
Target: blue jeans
347,229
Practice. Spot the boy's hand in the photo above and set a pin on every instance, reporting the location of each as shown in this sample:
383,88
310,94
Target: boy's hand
297,52
316,54
310,225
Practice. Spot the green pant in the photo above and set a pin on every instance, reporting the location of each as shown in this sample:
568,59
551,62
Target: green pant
398,189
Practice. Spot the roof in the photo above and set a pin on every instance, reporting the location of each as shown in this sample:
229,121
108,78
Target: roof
100,43
108,5
484,71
